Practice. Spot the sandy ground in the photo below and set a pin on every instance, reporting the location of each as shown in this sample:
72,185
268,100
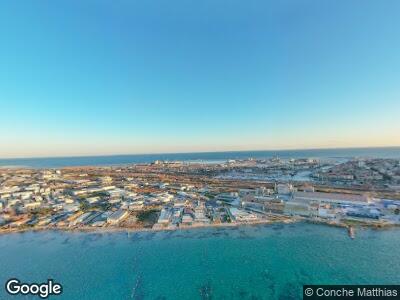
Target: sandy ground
106,229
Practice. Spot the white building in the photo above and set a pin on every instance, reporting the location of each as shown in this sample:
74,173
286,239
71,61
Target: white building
241,215
117,216
32,205
165,216
332,198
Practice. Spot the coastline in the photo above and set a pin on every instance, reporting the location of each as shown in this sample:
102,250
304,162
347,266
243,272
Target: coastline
56,162
90,229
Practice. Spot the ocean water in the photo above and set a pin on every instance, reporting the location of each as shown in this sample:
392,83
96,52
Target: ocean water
59,162
249,262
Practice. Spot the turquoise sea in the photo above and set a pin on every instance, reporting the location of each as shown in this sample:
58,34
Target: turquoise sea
249,262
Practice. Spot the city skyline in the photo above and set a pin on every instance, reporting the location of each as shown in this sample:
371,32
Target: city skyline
131,78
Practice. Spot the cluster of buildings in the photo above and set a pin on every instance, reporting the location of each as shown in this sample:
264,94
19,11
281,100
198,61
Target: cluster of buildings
358,172
377,173
175,195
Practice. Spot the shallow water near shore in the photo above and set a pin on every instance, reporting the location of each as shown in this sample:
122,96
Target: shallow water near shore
248,262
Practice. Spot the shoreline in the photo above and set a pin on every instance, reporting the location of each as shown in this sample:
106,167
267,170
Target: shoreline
89,229
82,161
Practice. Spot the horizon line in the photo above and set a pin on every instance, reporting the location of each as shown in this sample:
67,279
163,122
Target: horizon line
198,152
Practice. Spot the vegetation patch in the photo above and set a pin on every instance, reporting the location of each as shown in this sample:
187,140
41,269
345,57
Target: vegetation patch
148,217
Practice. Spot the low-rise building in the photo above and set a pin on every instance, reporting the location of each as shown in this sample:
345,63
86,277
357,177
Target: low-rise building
332,198
297,208
229,198
117,216
240,215
165,216
187,219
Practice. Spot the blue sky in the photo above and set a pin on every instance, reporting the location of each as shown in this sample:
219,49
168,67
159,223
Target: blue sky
113,77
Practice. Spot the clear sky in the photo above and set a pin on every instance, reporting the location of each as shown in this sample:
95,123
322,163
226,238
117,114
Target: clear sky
147,76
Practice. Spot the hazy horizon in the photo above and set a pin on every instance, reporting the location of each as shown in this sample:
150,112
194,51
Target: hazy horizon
105,78
203,152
